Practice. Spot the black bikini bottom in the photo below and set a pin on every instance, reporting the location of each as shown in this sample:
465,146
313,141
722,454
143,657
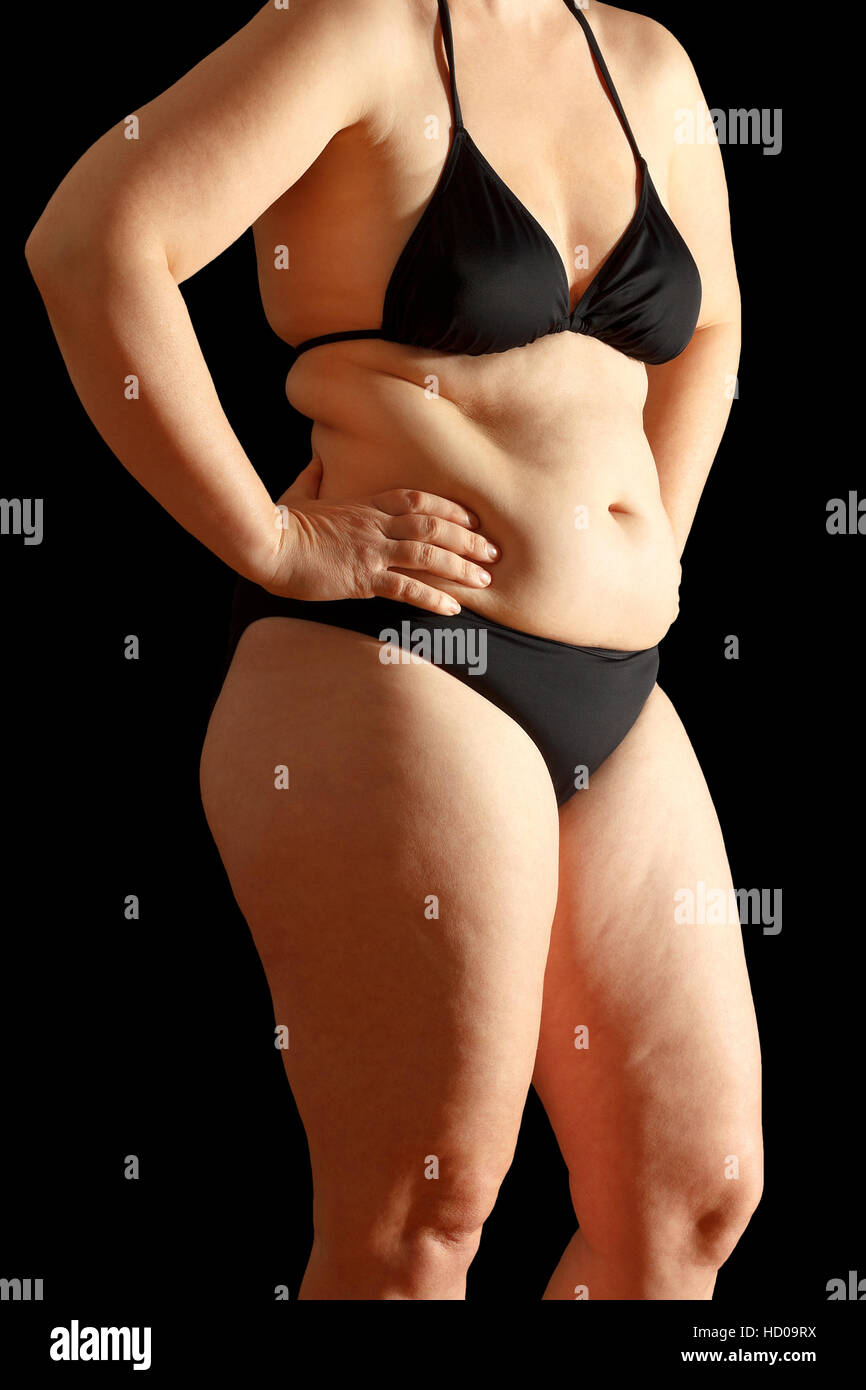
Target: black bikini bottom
575,703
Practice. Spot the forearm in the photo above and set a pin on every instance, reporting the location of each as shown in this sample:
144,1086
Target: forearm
685,414
120,318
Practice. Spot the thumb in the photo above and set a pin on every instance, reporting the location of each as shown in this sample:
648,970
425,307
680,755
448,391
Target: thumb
309,479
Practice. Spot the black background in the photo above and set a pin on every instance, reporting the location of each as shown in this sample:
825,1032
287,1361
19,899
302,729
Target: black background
155,1037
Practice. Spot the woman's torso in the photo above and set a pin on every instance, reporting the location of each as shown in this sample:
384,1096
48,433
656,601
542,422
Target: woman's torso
545,442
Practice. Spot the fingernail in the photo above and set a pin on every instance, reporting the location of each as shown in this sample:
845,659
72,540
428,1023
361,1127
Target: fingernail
452,607
492,551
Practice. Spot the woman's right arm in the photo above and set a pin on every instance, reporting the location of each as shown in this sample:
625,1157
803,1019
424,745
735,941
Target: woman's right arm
135,217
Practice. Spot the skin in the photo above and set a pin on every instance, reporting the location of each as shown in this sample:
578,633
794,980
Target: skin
414,1037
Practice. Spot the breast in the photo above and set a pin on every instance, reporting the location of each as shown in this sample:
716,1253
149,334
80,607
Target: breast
477,275
647,303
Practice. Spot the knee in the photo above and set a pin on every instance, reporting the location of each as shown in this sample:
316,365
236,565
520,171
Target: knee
418,1247
443,1218
693,1219
445,1241
713,1222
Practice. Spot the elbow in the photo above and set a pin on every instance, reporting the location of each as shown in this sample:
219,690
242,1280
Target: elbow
60,234
83,263
90,265
36,253
49,259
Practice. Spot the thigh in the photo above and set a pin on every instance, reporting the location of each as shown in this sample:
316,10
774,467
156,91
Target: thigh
665,1097
400,892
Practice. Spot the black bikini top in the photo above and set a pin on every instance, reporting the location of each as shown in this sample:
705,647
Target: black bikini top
479,273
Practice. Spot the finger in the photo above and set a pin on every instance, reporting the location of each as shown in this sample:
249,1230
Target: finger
426,558
404,588
417,526
398,500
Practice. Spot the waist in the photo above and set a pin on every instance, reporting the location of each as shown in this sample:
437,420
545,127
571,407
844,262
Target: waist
564,483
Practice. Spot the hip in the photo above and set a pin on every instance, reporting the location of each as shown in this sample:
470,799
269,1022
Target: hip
576,702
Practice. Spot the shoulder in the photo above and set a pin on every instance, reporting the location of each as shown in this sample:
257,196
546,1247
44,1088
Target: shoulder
645,51
354,46
385,31
358,26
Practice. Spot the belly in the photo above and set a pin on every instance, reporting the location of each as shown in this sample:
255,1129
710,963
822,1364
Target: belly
544,443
